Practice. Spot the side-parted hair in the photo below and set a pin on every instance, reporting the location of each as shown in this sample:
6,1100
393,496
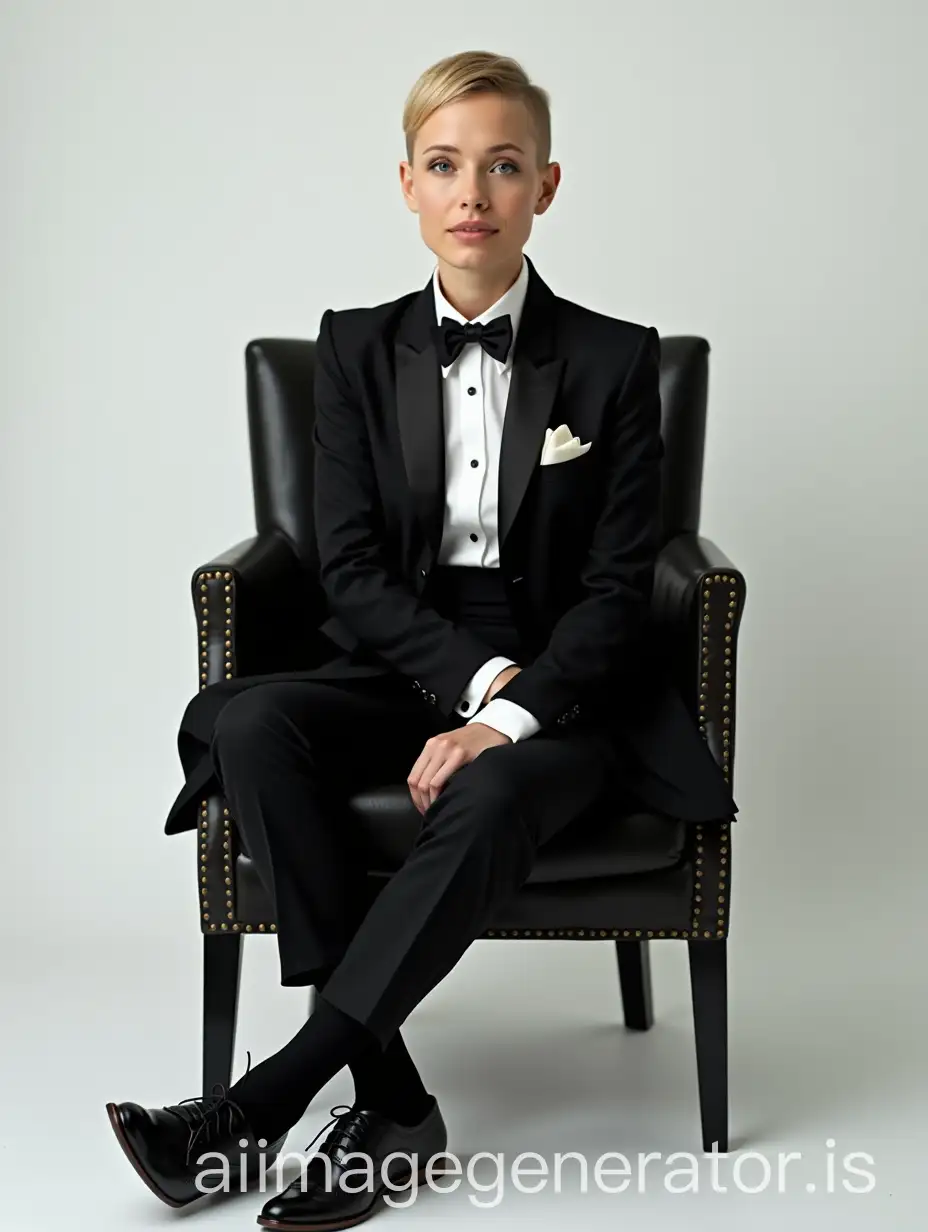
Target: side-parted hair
477,72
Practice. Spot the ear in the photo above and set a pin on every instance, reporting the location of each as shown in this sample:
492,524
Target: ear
407,185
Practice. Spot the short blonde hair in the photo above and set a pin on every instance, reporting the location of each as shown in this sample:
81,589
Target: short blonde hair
477,72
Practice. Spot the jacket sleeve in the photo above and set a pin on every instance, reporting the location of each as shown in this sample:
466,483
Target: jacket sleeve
363,585
598,638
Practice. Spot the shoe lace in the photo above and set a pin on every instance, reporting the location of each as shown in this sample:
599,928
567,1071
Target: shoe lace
349,1121
202,1114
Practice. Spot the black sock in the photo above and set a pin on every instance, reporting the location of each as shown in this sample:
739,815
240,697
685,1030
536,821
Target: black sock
275,1094
386,1079
389,1081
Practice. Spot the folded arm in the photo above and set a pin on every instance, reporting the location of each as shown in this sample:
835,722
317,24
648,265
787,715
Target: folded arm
598,637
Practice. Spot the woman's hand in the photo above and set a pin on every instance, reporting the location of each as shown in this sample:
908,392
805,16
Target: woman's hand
445,753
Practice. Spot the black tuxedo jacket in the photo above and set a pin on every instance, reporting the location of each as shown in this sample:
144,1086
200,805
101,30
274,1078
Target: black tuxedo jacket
578,539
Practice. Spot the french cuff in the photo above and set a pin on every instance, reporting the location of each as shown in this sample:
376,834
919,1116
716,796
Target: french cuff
472,696
512,720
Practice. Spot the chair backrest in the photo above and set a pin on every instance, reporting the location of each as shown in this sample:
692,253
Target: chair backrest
684,404
279,375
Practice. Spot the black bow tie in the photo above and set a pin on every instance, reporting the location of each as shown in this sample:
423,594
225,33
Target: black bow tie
451,337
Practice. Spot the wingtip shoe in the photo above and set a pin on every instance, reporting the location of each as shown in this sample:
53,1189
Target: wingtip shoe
315,1202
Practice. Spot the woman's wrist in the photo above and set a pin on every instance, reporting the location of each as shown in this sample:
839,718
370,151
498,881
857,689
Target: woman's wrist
502,678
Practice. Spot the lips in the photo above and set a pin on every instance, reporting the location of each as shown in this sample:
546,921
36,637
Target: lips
473,227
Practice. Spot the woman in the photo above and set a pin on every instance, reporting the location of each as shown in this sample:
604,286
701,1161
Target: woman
486,495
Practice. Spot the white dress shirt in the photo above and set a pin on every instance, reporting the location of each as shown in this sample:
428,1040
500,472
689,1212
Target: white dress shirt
475,391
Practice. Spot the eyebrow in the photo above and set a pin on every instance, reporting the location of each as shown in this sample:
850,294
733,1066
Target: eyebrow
492,149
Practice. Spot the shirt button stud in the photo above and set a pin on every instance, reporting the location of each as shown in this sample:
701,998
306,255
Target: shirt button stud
465,705
473,536
471,389
474,462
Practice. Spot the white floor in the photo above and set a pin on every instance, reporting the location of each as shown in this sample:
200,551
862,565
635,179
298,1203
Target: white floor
523,1045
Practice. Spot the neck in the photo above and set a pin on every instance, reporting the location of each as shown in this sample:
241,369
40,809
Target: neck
471,292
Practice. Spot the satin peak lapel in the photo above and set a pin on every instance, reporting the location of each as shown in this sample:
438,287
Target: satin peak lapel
534,382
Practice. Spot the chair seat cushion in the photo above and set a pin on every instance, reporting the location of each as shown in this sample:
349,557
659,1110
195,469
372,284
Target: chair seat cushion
598,843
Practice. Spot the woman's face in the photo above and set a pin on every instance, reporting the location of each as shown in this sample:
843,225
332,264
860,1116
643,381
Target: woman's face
501,186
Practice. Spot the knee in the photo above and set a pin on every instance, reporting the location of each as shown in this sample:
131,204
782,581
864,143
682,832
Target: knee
482,801
245,724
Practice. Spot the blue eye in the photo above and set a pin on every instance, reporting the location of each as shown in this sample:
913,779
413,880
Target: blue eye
445,160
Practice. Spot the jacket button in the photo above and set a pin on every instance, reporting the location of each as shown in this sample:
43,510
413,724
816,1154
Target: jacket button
432,698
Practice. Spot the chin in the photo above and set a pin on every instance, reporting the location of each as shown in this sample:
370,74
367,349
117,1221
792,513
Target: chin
464,258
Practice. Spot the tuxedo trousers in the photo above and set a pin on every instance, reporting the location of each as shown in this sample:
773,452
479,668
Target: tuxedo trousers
288,755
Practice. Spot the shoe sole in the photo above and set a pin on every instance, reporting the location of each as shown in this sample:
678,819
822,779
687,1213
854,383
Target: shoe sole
136,1163
287,1225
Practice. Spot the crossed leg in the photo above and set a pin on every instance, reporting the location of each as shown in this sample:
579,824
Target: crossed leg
288,755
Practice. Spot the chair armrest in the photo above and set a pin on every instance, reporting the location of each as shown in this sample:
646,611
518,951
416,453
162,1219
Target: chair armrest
696,611
258,609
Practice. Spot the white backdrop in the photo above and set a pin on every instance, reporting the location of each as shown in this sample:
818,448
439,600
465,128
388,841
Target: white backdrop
182,177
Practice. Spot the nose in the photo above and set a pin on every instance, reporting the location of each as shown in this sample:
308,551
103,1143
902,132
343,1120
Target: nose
472,195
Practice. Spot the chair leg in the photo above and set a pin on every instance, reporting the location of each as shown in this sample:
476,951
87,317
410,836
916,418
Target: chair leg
709,985
221,971
635,982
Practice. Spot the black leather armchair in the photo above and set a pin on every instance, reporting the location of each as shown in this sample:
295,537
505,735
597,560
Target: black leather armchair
627,878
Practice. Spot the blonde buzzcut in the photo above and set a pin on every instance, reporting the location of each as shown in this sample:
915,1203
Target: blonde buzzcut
477,72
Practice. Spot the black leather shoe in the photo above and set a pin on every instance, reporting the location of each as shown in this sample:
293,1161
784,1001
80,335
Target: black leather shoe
311,1204
164,1144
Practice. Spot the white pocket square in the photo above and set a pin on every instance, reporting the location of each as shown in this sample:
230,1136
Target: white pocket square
561,446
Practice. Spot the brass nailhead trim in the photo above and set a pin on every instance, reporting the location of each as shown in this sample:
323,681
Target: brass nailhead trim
725,715
211,579
228,600
590,934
